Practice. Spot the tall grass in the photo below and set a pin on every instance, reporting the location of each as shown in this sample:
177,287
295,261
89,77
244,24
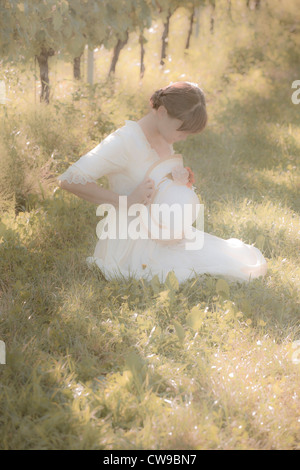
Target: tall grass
93,364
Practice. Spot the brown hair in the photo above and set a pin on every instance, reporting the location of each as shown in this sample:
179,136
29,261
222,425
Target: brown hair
184,101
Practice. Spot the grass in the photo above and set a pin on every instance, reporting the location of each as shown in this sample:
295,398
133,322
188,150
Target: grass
93,364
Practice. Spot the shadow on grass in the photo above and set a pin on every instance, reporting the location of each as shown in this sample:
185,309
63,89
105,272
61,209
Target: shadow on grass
52,263
241,141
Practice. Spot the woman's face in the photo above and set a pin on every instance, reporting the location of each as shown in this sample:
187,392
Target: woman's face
168,126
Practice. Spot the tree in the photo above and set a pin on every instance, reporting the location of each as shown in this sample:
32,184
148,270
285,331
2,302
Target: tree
77,67
41,28
121,42
142,19
42,59
92,30
165,38
229,9
256,4
192,19
193,7
124,18
90,66
197,23
164,10
142,66
35,29
212,16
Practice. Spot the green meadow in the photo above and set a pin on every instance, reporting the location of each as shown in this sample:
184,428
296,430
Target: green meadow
132,364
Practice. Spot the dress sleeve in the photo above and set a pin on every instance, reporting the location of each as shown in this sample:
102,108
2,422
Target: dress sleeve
107,157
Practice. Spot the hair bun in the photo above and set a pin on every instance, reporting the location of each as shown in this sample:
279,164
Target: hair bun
156,98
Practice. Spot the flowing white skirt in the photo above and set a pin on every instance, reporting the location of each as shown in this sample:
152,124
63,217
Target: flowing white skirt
230,259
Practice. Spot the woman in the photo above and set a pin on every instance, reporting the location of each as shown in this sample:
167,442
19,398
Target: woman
127,156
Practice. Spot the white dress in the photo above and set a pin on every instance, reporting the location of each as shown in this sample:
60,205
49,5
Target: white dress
124,157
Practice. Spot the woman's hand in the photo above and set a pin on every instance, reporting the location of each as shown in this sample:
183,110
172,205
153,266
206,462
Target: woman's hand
143,193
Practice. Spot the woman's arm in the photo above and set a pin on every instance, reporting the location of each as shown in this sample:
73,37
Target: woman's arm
91,192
